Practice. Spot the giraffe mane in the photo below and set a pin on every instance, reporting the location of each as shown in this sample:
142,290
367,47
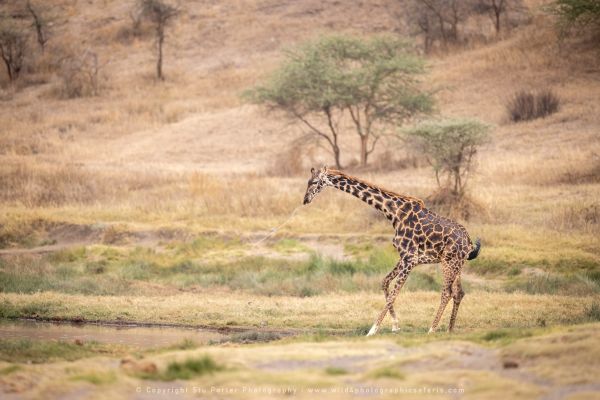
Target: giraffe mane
389,192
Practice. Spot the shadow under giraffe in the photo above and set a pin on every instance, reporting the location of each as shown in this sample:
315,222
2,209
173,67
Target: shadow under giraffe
421,237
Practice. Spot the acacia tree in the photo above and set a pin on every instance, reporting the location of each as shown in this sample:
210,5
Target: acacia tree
450,146
371,82
438,19
576,14
160,14
495,9
39,24
13,44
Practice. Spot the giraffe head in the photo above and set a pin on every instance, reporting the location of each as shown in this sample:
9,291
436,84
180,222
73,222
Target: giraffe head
316,183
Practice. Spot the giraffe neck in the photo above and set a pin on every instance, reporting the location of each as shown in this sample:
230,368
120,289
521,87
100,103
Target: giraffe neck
382,200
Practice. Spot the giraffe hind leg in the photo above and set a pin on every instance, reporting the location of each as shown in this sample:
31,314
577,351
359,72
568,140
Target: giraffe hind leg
457,296
449,276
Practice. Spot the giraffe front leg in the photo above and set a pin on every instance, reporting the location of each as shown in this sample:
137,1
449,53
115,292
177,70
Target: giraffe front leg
385,286
403,270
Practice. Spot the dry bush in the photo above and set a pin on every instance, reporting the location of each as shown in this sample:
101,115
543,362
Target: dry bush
58,184
522,106
80,75
546,103
448,203
585,173
580,218
296,159
389,161
134,29
527,105
35,185
242,196
287,163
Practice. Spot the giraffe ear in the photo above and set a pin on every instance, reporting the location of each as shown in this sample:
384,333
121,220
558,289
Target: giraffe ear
312,171
324,168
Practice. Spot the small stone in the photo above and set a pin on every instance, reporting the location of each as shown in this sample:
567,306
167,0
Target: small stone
147,367
142,366
508,364
127,360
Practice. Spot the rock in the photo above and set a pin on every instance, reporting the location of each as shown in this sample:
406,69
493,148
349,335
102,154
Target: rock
147,367
142,366
508,364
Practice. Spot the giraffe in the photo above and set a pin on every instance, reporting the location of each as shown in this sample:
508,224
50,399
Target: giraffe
421,237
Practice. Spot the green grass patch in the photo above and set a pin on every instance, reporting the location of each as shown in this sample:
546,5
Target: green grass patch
335,371
96,378
579,284
25,350
10,369
505,336
251,337
68,255
387,372
592,312
185,370
210,261
287,246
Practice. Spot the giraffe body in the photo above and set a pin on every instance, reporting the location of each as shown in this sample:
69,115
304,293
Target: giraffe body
421,237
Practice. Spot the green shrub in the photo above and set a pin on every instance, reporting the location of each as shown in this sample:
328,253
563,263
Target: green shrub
187,369
592,312
387,372
505,335
450,147
335,371
576,14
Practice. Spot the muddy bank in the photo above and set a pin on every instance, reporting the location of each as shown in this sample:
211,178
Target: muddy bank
143,335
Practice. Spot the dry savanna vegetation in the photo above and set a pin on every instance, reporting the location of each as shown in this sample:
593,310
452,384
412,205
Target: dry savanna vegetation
141,172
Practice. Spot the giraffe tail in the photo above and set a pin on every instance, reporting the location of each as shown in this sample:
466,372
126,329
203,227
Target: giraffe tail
475,252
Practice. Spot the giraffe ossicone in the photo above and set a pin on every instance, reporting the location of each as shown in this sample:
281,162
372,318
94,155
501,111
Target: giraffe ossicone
421,237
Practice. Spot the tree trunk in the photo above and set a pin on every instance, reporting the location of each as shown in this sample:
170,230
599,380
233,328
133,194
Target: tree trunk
497,14
336,155
364,153
161,38
8,69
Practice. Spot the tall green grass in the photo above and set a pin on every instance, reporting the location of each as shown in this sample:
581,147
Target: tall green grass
579,284
107,271
215,262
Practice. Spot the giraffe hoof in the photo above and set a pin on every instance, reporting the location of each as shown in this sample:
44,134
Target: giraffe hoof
372,331
431,330
395,329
